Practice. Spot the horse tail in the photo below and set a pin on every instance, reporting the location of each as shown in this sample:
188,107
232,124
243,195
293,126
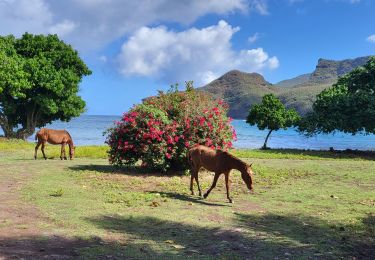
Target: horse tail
36,135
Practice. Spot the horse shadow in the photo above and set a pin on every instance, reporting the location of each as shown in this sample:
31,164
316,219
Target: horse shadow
189,198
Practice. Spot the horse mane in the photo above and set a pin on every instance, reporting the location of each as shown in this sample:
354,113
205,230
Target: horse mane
234,157
69,136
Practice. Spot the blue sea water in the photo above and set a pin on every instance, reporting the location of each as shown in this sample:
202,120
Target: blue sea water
88,130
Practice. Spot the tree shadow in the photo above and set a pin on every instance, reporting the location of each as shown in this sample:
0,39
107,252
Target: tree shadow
126,170
47,247
265,237
323,238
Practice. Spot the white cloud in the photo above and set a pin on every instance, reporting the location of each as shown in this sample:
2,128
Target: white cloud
16,17
194,54
371,38
253,38
63,28
259,6
91,24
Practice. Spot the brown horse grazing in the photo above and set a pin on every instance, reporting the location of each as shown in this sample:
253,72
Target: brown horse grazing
220,162
54,137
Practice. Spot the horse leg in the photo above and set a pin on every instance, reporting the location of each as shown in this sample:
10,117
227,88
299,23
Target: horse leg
191,182
196,179
227,186
216,177
64,145
62,151
36,149
44,155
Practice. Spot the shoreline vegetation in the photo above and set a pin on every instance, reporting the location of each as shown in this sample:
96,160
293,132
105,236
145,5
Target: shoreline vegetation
100,152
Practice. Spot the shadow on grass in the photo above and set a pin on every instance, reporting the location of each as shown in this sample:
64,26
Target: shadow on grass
126,170
46,247
327,154
325,239
188,198
254,236
264,237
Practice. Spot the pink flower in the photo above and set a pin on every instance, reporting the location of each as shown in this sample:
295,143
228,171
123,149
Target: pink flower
168,155
201,121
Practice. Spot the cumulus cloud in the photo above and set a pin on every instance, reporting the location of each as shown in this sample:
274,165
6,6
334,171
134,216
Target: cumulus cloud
371,38
91,24
16,17
197,54
63,28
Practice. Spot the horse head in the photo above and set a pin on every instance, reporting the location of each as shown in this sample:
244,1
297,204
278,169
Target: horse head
247,176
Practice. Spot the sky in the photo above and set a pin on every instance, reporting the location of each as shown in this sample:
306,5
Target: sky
135,48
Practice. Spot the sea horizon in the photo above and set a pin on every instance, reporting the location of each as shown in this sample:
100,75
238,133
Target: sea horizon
88,129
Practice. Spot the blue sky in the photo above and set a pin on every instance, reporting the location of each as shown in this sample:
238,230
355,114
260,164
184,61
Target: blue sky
135,48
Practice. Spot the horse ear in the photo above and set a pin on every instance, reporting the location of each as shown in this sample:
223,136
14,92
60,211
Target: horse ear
251,164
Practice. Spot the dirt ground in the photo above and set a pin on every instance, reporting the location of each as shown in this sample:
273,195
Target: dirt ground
20,234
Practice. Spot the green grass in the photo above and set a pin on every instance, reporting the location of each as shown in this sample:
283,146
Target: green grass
23,148
307,204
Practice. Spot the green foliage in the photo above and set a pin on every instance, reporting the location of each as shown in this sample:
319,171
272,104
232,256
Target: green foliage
39,83
271,114
348,106
160,131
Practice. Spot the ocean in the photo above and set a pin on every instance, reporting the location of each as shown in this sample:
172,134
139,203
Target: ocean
89,129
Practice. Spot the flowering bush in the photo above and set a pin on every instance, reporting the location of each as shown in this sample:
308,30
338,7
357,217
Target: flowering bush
161,130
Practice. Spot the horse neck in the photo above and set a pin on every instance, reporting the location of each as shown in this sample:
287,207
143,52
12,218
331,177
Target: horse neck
237,164
70,143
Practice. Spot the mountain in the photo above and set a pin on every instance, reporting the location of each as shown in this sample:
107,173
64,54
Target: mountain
327,71
288,83
241,90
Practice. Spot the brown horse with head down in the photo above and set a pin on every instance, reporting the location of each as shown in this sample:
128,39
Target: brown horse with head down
54,137
220,162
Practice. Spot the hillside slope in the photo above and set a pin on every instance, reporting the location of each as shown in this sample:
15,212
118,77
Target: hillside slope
241,90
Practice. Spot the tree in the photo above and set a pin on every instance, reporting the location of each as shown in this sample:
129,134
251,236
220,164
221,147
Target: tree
271,114
348,106
39,83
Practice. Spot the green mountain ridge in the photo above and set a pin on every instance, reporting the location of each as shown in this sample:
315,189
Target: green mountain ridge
241,90
288,83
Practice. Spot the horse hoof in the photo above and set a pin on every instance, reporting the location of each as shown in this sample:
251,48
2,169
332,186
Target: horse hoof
231,201
205,195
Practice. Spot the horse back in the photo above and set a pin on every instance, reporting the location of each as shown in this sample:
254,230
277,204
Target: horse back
210,159
53,136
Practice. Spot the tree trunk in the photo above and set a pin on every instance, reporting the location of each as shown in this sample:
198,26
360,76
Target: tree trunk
22,133
265,142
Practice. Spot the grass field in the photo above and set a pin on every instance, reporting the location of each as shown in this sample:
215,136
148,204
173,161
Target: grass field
306,205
